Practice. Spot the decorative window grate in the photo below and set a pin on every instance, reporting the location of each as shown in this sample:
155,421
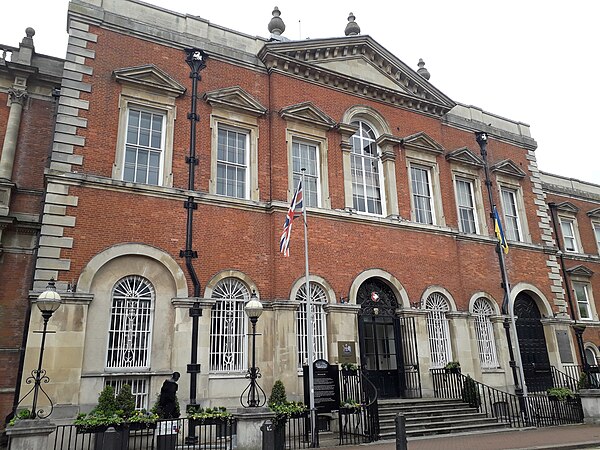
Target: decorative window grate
438,330
482,310
228,341
366,181
139,389
130,332
318,300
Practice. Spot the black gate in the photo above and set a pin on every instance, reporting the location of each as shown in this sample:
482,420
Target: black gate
387,343
532,343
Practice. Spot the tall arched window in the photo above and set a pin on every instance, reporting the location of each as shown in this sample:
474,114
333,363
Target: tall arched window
366,176
482,311
438,330
130,329
228,327
318,300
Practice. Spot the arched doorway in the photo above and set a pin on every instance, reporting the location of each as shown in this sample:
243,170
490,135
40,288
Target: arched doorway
532,344
380,330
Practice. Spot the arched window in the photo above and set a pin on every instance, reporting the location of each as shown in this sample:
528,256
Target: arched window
366,175
318,300
482,311
438,330
228,326
130,329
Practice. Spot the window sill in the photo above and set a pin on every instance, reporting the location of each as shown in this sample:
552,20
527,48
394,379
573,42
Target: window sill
493,370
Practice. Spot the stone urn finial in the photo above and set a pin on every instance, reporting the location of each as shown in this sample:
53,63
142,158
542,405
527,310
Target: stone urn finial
422,70
276,25
352,28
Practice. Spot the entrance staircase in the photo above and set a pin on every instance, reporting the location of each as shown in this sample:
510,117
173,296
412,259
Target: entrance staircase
432,416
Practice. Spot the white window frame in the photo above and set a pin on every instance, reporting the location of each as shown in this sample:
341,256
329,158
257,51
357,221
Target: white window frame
438,329
355,170
129,337
473,207
234,164
228,347
236,120
139,389
513,229
484,331
570,239
319,318
311,174
586,302
596,228
415,195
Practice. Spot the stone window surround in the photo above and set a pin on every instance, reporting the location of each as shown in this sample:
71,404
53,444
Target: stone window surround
244,122
562,215
137,98
297,131
427,161
579,279
509,183
480,214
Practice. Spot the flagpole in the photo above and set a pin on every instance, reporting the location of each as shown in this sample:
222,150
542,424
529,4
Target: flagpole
309,321
481,138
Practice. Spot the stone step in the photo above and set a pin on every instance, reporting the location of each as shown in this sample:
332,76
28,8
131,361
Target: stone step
425,431
388,419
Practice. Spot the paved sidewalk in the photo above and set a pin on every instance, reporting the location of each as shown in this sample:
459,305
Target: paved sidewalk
563,437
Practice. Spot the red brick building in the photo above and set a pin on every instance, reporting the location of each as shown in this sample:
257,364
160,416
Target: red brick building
402,250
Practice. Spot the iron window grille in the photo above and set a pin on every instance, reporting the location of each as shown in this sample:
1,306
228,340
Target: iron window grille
438,330
318,300
484,330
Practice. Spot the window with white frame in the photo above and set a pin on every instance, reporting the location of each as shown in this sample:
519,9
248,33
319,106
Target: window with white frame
305,155
438,330
583,300
139,389
467,214
366,175
568,232
318,299
228,341
232,162
597,232
512,225
130,329
422,194
144,146
484,330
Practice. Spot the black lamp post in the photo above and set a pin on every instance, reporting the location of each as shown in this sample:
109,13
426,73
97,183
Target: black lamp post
253,310
47,302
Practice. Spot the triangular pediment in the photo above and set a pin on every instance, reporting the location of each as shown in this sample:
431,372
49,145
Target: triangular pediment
149,77
508,167
309,113
465,156
567,207
594,213
358,65
235,98
422,142
580,271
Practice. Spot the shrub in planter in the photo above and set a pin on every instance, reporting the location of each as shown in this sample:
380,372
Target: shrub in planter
470,393
23,414
584,381
452,367
278,395
349,368
560,393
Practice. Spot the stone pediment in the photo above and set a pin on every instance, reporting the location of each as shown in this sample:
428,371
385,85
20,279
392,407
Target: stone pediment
567,207
357,65
580,271
235,98
465,156
508,167
594,213
309,113
149,77
422,142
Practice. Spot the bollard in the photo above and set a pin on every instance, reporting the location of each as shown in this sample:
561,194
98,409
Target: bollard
401,433
268,435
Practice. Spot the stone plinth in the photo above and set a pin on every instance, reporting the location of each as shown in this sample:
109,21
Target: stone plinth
30,434
590,402
249,421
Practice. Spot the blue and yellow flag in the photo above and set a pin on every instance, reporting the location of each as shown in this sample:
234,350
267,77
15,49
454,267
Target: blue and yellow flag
499,231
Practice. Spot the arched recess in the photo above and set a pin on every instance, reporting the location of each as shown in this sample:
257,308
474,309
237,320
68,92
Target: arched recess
116,251
316,279
208,291
431,289
540,299
387,278
481,294
370,115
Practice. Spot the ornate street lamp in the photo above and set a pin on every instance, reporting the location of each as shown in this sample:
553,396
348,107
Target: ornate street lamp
47,302
253,310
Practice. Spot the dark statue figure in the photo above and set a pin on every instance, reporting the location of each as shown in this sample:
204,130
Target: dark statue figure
167,401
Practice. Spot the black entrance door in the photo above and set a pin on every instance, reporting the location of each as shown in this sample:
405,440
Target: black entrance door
532,343
380,352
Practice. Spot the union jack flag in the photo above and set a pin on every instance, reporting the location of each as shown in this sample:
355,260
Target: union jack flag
294,211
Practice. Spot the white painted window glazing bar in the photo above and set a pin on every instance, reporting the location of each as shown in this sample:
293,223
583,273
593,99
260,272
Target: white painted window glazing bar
438,330
144,147
139,389
466,206
422,198
366,182
568,233
232,162
318,300
306,156
583,301
511,215
484,331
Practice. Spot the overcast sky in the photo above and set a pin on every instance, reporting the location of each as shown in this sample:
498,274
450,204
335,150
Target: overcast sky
533,62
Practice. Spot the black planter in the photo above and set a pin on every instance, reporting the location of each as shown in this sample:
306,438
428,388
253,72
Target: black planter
453,370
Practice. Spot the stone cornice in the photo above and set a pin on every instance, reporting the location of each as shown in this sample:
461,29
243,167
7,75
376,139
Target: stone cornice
422,142
235,98
465,156
149,77
509,168
307,112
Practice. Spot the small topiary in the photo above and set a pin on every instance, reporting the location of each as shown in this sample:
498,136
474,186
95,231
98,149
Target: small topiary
125,401
107,403
278,396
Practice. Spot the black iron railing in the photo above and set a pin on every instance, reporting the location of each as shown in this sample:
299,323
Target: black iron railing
563,379
215,434
516,411
590,381
359,421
